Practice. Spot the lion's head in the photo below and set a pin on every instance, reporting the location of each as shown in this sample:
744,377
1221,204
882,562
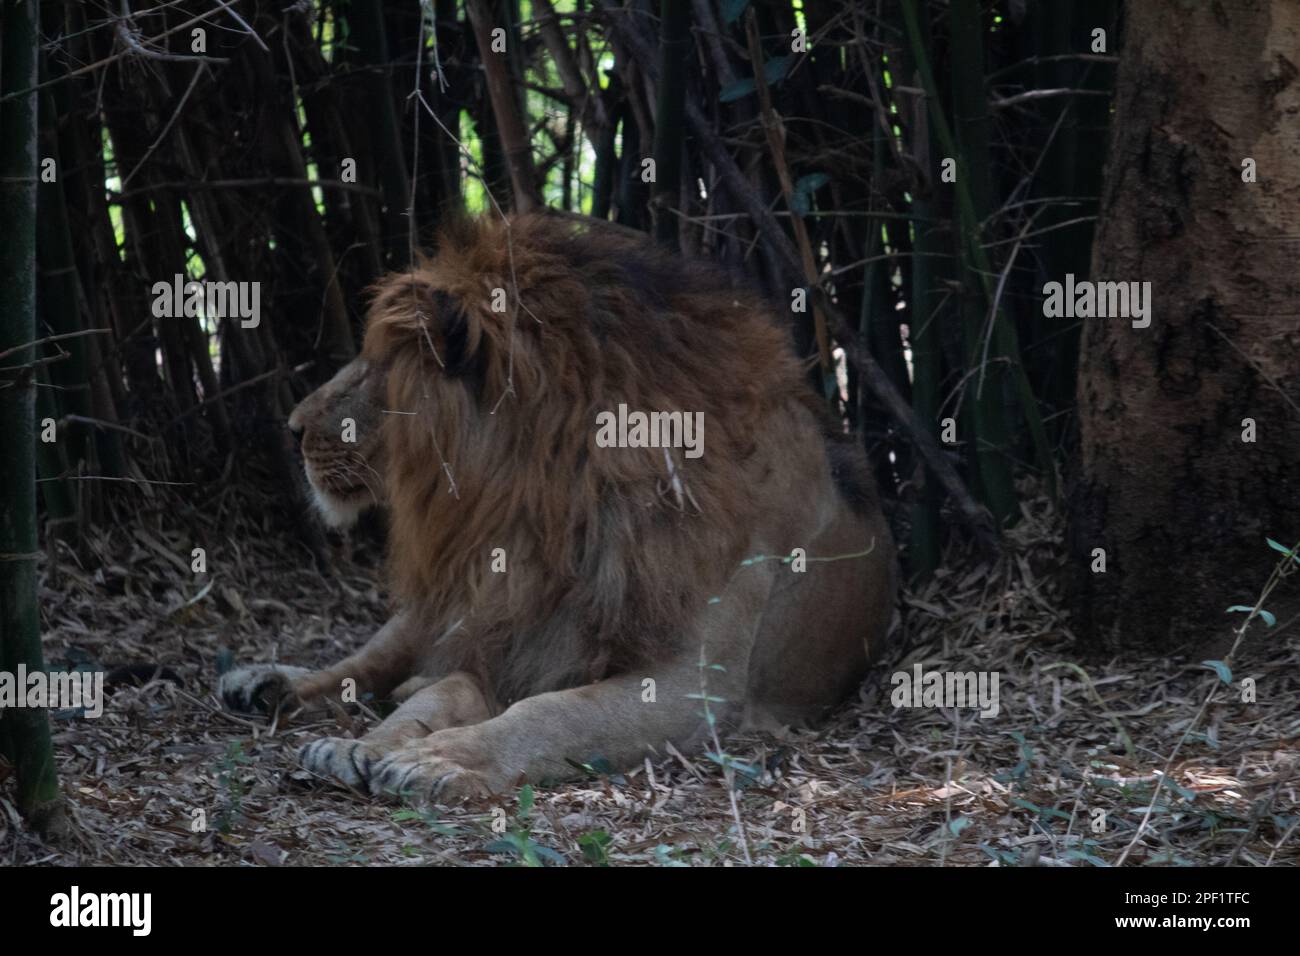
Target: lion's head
339,427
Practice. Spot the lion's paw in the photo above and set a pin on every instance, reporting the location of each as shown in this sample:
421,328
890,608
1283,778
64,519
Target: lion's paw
418,771
343,759
258,687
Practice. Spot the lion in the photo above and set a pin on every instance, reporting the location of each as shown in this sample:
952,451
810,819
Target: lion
564,601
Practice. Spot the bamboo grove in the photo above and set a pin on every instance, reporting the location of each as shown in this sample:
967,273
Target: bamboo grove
901,174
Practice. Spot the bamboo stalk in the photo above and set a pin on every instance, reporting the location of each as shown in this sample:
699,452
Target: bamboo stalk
505,110
60,296
82,180
284,143
784,253
24,731
924,319
674,44
366,24
973,246
775,133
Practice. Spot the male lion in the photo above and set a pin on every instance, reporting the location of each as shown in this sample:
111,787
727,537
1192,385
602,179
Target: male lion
562,601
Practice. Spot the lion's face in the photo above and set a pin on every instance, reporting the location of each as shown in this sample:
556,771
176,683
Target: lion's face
339,428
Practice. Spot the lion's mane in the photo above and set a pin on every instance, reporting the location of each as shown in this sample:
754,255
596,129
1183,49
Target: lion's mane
490,442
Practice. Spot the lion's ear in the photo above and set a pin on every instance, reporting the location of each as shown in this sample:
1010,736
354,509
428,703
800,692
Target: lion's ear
462,349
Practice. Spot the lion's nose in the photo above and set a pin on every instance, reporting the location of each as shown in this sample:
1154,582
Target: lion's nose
295,429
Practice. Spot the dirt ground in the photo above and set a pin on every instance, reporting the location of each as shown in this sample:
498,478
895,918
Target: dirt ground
1077,758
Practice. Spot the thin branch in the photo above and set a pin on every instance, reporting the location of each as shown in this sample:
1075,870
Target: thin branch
166,129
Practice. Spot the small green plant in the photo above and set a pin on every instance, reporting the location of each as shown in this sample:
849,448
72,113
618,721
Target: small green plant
343,858
595,847
1287,565
795,858
666,855
598,768
425,815
730,766
518,841
1019,771
231,787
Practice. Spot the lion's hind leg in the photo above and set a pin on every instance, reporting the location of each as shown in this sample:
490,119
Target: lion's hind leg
454,701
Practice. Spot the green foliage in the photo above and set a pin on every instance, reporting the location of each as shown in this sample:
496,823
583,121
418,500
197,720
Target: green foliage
801,200
774,71
518,842
733,10
231,787
595,847
1220,668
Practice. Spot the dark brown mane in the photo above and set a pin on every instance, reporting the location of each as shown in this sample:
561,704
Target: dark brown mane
602,559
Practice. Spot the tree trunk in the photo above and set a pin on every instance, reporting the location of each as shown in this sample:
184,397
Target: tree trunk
1170,484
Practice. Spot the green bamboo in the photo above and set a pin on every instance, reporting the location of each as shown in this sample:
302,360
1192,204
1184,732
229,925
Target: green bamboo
606,171
81,183
670,116
1069,167
60,295
52,463
928,246
985,404
365,20
1005,341
27,729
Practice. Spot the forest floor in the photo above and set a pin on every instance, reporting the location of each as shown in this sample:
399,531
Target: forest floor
1063,775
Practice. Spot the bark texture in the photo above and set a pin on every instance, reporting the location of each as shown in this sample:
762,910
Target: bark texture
1167,485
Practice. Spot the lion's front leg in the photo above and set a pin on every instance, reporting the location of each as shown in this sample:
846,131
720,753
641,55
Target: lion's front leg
621,719
454,701
380,666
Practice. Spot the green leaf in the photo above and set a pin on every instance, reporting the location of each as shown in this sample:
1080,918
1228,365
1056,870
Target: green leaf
1267,616
503,846
525,799
1188,795
667,856
774,71
1004,857
1220,668
737,90
601,766
732,10
1081,855
547,855
1277,546
801,198
595,847
958,824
